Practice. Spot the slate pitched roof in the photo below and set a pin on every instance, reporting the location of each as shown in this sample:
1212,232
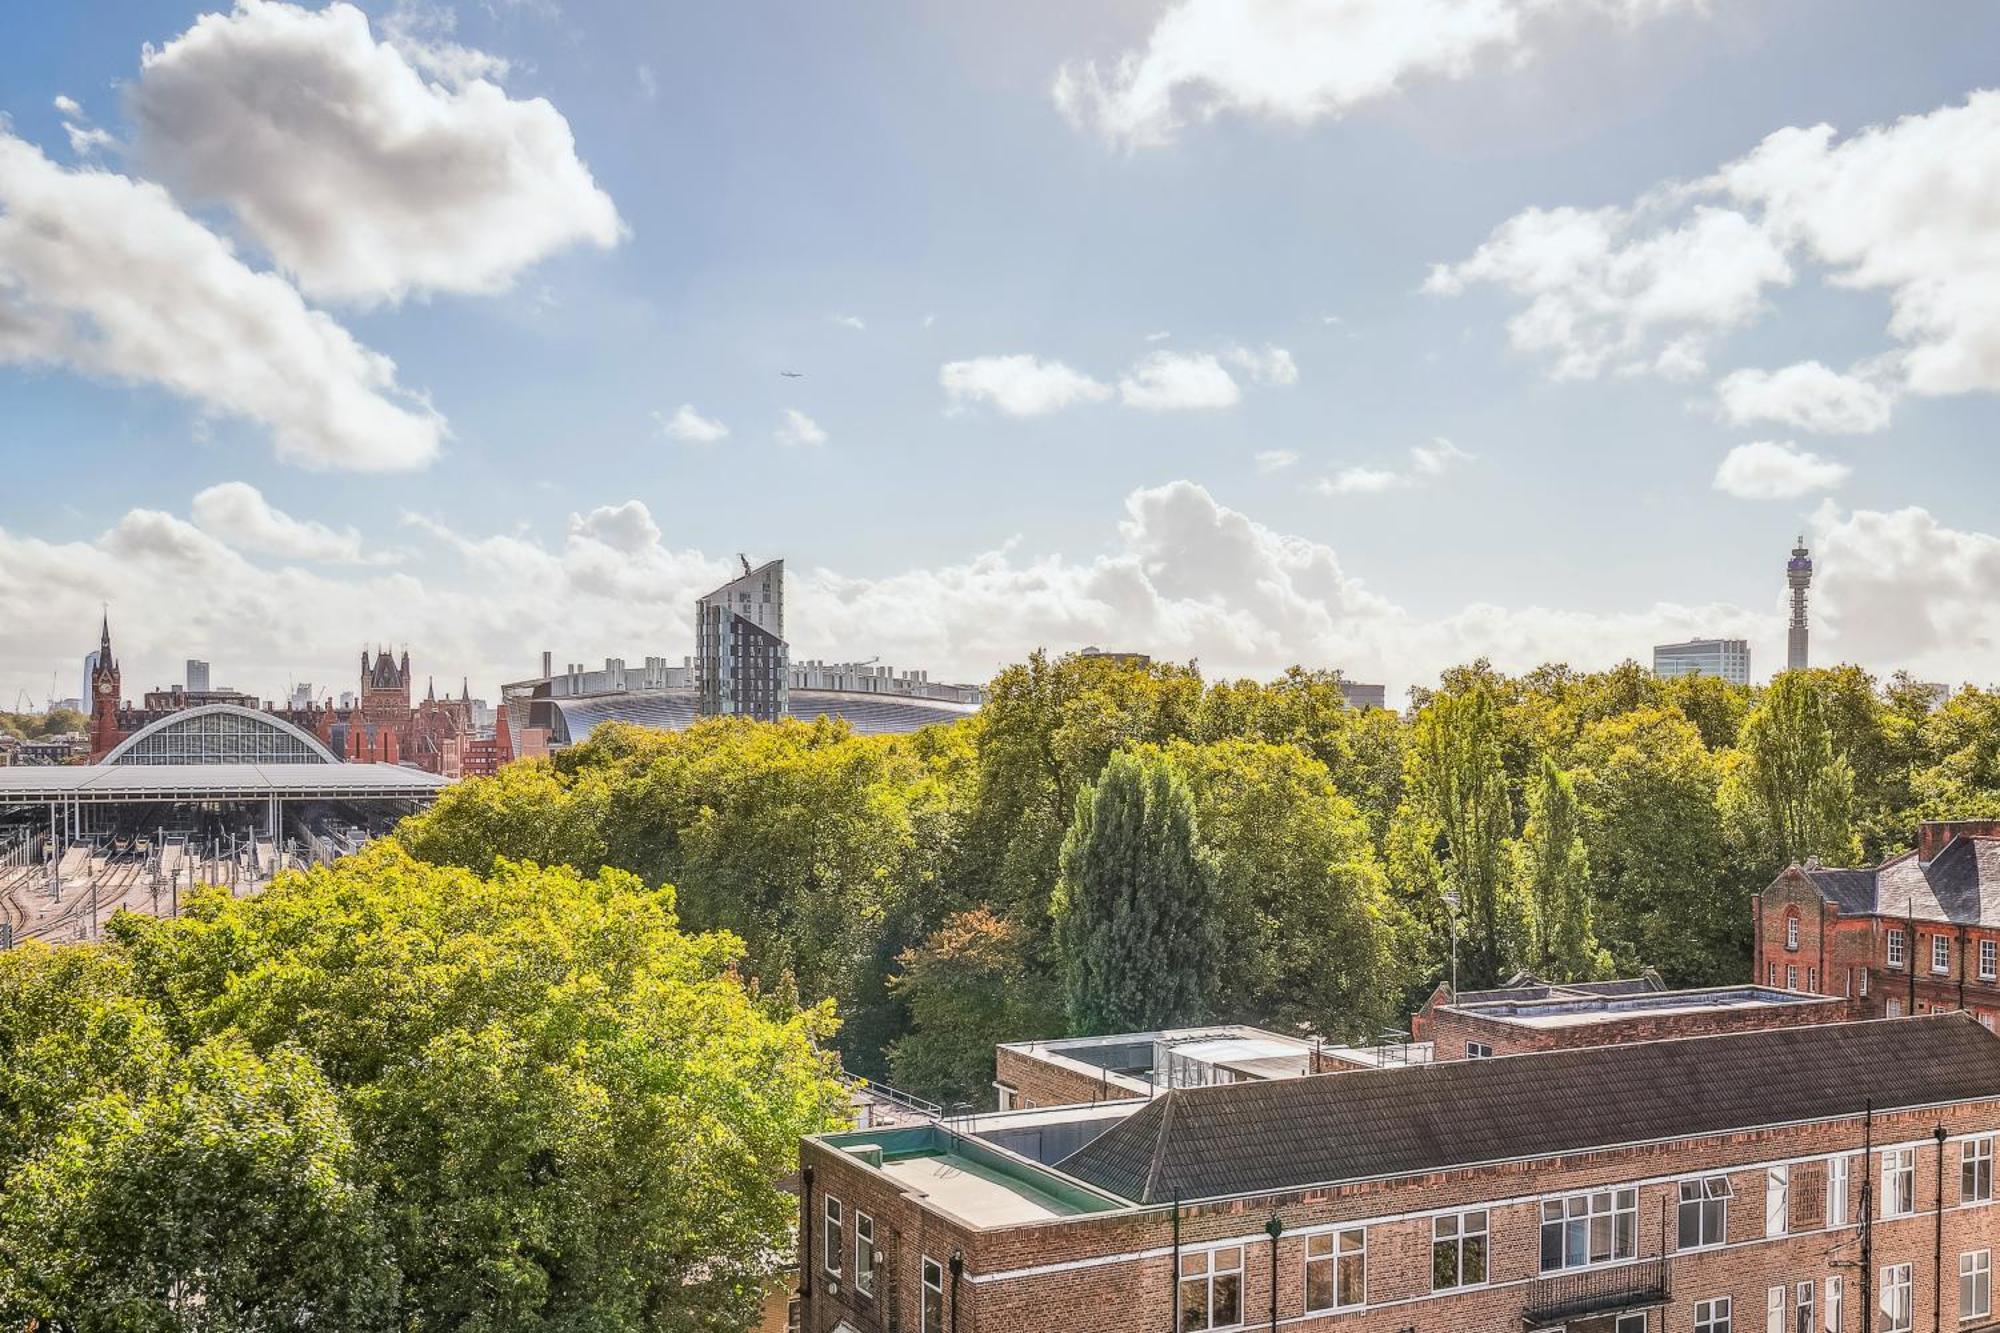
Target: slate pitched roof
1247,1138
1961,884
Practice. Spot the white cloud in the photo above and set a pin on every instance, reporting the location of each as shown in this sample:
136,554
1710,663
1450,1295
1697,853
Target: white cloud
85,140
690,426
649,83
1427,463
1019,385
1776,470
1905,208
237,514
1604,293
1273,365
1808,396
855,322
1181,575
1275,460
1158,336
68,105
1297,61
796,428
1176,382
103,274
361,178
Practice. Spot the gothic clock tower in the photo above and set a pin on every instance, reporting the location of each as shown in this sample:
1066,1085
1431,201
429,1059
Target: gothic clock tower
104,697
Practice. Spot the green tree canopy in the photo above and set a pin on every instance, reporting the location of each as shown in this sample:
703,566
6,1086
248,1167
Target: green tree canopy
1136,916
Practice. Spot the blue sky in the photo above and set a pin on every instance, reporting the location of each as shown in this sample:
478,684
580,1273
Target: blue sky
870,195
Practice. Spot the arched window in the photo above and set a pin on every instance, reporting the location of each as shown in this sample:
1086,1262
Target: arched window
220,734
1792,928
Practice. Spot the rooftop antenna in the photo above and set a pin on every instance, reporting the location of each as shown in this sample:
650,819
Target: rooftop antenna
746,563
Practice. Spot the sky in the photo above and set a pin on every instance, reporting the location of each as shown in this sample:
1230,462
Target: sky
1377,335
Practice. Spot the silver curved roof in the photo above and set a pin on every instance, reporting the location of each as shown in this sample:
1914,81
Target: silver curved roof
674,710
216,718
97,783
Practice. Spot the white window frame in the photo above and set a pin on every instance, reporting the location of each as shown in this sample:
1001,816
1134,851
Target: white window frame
1321,1256
1941,954
1836,1299
1587,1212
1707,1190
1989,960
1975,1285
1006,1096
1802,1306
1348,1243
1863,984
932,1275
1812,981
832,1235
1478,1050
1777,1306
1837,1176
1892,1008
1212,1269
1893,946
1898,1298
1713,1316
1899,1182
864,1253
1791,976
1463,1227
1792,930
1975,1170
1778,1199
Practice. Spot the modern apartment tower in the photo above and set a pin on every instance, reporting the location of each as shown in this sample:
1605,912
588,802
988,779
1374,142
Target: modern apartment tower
197,676
1799,574
741,659
1728,659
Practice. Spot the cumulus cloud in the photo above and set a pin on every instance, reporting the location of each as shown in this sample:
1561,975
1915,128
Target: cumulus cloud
1808,396
360,177
237,514
690,426
1604,291
1298,61
1273,365
1776,470
796,428
105,275
1905,209
1180,575
1427,462
1018,385
1178,382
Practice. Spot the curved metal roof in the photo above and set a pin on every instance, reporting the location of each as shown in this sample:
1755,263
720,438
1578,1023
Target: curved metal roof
194,716
110,783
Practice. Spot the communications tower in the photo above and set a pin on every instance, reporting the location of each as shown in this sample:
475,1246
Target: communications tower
1798,573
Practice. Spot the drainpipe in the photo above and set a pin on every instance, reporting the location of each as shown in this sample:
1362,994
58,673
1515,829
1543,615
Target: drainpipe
1273,1228
1176,1275
1910,953
1868,1215
957,1271
1937,1241
806,1229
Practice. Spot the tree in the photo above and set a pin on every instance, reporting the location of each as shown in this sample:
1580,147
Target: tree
1456,822
226,1200
969,988
1311,933
1135,912
1795,790
571,1114
1553,868
1668,894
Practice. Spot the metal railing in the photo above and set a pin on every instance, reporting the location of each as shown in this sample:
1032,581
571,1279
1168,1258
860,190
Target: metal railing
1567,1296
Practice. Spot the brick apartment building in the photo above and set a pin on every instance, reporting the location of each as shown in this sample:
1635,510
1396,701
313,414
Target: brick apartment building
1916,934
1561,1017
1827,1178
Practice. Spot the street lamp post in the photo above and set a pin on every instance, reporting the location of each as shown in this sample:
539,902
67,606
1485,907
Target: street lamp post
1451,921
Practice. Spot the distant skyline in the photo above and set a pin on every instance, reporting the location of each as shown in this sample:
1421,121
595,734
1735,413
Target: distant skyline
1381,335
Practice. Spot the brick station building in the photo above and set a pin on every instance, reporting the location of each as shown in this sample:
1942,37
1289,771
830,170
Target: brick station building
1919,933
1828,1178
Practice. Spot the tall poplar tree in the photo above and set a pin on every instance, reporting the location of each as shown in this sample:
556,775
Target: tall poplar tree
1554,871
1799,782
1136,916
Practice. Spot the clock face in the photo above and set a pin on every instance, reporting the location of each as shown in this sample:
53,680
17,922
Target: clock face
104,687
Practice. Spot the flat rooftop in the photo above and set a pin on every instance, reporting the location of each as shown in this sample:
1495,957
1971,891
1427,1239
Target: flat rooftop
976,1180
1142,1063
1572,1010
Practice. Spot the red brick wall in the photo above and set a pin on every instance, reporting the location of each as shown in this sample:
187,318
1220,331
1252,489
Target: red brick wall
1452,1029
1039,1082
1133,1289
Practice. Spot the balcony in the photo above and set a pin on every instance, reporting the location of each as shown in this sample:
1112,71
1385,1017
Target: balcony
1569,1296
